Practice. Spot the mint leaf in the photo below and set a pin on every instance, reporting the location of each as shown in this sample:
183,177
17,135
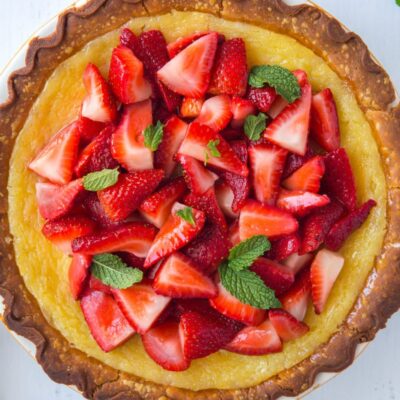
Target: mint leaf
187,215
398,2
212,146
100,180
153,136
283,80
112,271
248,288
255,125
245,253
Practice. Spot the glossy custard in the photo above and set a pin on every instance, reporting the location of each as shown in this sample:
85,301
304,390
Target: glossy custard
44,268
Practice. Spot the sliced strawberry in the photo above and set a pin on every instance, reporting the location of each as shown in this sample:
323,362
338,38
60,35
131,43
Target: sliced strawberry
191,107
127,145
181,43
179,277
54,201
157,207
324,121
141,305
175,234
284,247
225,198
216,113
93,208
132,237
233,234
229,75
325,269
267,163
300,203
338,180
241,109
120,200
256,340
99,104
197,177
277,106
128,39
188,73
106,322
295,161
208,203
131,260
56,160
258,219
98,285
286,326
343,228
232,134
296,262
262,98
307,177
196,144
88,129
174,133
163,344
78,273
276,276
62,231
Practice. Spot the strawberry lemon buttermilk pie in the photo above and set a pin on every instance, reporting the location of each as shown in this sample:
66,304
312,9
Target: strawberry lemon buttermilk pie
202,203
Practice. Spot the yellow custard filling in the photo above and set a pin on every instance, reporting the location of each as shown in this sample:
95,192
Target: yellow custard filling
44,268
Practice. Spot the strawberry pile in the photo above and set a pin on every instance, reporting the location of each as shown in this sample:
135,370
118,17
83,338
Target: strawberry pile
202,202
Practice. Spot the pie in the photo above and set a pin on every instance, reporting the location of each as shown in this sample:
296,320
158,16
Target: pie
347,184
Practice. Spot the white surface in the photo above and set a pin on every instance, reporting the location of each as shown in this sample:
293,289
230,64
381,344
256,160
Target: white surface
375,375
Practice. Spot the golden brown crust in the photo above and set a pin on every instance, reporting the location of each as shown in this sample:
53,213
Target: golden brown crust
347,55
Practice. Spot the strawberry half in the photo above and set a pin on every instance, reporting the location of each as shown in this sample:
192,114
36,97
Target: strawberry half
120,200
57,159
128,39
225,198
88,129
191,107
179,277
78,273
285,246
287,327
181,43
99,104
98,285
215,113
188,73
262,98
296,262
241,109
106,322
324,271
295,161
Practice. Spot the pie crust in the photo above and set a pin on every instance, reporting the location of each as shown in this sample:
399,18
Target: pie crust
346,54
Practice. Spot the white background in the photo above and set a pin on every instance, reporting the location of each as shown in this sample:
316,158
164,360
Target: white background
375,375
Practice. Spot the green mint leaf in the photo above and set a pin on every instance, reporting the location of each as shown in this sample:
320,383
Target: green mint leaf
283,80
245,253
398,2
153,136
112,271
213,147
100,180
187,214
248,288
255,125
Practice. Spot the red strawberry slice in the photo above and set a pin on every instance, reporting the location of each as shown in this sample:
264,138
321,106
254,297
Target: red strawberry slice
54,201
324,121
62,231
128,39
232,134
316,226
98,285
262,98
174,133
57,159
157,207
258,219
286,326
78,273
231,307
276,276
141,305
338,180
181,43
233,233
216,113
197,177
299,202
120,200
294,162
131,260
241,109
285,246
175,234
229,75
188,73
290,128
267,163
106,322
208,249
190,107
196,142
88,129
324,271
127,77
296,262
277,106
132,237
307,177
127,145
256,340
99,104
342,229
179,277
208,203
225,198
163,344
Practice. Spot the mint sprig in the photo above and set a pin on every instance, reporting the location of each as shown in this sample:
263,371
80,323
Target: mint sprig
187,215
211,150
100,180
255,125
153,135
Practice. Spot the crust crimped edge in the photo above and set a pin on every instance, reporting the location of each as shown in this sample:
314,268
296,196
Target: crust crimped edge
346,54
